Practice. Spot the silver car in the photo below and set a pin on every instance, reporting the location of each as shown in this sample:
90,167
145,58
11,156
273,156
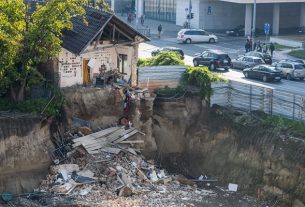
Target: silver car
291,70
246,62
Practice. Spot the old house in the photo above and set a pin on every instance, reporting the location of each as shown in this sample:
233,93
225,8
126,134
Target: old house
106,44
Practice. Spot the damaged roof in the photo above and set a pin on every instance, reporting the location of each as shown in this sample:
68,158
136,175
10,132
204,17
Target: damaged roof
82,34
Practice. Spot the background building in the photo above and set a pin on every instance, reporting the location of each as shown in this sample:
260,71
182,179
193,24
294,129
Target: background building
219,15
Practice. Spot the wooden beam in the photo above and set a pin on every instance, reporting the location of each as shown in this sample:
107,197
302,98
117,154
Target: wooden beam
113,33
98,39
123,33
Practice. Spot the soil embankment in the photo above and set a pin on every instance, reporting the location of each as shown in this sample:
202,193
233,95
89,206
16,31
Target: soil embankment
233,147
24,153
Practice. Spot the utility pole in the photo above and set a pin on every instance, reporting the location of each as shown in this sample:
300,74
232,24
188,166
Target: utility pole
190,12
253,24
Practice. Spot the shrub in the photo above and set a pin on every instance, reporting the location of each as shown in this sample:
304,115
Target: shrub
202,78
163,58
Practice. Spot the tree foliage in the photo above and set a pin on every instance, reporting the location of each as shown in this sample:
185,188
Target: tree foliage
163,58
28,38
202,78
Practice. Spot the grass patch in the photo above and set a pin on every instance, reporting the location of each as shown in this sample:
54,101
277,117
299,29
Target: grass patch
284,123
297,54
170,92
279,47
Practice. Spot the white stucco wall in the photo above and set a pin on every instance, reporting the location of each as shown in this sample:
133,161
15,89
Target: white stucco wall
181,13
71,65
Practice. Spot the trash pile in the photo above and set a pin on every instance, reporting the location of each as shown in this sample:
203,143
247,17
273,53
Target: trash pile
106,169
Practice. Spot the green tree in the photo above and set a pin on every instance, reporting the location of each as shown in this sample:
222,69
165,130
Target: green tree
29,38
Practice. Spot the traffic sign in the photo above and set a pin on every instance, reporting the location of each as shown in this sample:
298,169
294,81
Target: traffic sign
267,28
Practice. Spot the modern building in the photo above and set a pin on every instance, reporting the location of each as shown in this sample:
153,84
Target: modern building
220,15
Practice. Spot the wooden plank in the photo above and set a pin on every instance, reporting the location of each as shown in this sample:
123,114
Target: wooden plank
118,134
98,134
110,150
126,136
91,141
133,142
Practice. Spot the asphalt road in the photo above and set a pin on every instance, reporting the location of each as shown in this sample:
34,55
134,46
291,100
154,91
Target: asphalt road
234,47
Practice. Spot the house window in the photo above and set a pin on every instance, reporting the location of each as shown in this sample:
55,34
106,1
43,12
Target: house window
122,63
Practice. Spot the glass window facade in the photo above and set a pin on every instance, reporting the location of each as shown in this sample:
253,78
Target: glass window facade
160,9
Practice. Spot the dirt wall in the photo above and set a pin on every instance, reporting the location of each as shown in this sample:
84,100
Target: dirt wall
24,153
194,140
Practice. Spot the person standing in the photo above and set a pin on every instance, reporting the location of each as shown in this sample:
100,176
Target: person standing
142,20
247,46
159,30
272,48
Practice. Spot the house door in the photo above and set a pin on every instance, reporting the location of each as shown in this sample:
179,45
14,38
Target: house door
86,72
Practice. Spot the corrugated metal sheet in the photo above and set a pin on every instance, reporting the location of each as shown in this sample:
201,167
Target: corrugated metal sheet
160,76
250,97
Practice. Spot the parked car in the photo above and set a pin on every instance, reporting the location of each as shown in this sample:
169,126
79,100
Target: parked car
246,62
293,60
169,49
214,59
237,31
291,70
263,72
301,30
195,35
265,56
240,31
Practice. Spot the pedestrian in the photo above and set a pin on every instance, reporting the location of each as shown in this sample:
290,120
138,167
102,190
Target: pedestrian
247,46
159,30
142,20
272,48
264,48
259,46
254,46
129,17
250,45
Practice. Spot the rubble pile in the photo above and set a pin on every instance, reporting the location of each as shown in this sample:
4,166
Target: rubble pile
106,168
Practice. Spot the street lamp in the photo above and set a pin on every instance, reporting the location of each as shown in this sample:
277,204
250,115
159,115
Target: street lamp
253,24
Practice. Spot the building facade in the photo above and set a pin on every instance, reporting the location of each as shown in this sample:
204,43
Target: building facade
220,15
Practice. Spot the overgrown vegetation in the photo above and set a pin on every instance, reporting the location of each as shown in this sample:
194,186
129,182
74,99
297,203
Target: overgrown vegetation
284,123
202,78
297,54
163,58
170,92
40,106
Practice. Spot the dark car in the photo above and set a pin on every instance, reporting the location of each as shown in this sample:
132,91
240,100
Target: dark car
169,49
240,31
301,30
214,59
263,72
237,31
266,57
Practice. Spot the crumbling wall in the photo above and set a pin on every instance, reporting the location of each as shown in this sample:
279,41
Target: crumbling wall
102,107
194,140
24,153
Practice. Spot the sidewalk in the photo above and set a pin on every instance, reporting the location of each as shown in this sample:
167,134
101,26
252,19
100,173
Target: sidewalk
169,29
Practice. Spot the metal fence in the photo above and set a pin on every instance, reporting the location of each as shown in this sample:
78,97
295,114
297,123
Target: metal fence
160,76
251,97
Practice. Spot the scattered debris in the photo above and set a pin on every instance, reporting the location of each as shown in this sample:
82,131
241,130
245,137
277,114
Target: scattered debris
233,187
